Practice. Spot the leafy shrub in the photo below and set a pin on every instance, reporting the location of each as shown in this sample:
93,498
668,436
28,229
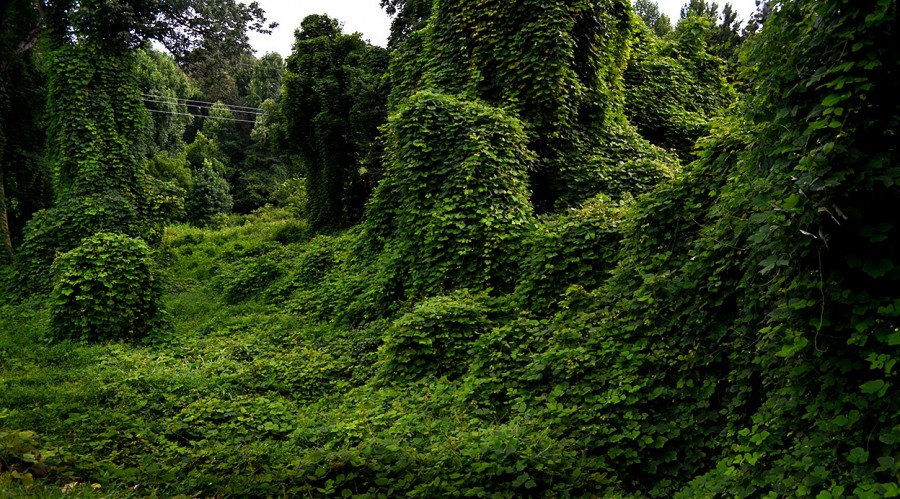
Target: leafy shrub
21,458
63,227
433,339
105,289
579,247
209,196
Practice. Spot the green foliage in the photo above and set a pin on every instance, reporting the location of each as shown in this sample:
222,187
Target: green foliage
821,241
174,170
105,289
557,67
732,331
196,253
291,194
62,228
268,165
204,149
649,13
179,25
96,122
573,248
248,276
21,458
210,195
453,203
333,103
408,16
722,33
265,83
162,83
674,88
219,128
433,339
700,8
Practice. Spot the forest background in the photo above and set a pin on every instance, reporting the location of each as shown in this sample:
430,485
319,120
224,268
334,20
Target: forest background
558,248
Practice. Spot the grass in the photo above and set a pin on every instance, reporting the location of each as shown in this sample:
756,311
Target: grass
252,390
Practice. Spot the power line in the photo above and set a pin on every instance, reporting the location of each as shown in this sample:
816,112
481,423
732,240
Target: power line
204,104
202,117
198,107
200,102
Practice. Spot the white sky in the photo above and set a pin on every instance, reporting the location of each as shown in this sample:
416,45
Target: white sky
367,17
672,8
364,16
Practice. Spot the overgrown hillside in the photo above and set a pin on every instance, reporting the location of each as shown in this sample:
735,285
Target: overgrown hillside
549,294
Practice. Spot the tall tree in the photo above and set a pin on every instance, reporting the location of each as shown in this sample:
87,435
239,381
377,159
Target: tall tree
409,16
649,12
164,88
700,8
724,35
265,80
220,126
24,186
332,103
764,9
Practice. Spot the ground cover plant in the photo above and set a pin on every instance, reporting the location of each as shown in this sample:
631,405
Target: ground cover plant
640,326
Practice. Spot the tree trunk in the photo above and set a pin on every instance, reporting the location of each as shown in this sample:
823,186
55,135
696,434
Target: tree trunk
6,254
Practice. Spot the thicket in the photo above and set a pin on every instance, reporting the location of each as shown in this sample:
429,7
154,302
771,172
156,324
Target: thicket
333,103
673,88
732,330
558,67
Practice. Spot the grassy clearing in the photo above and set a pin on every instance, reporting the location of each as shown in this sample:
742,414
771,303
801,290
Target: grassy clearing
253,389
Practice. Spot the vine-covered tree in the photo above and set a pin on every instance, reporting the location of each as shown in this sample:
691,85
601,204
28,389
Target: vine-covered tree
333,103
96,126
559,67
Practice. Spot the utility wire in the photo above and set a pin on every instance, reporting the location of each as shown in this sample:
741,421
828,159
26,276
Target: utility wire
203,117
204,104
199,102
199,107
